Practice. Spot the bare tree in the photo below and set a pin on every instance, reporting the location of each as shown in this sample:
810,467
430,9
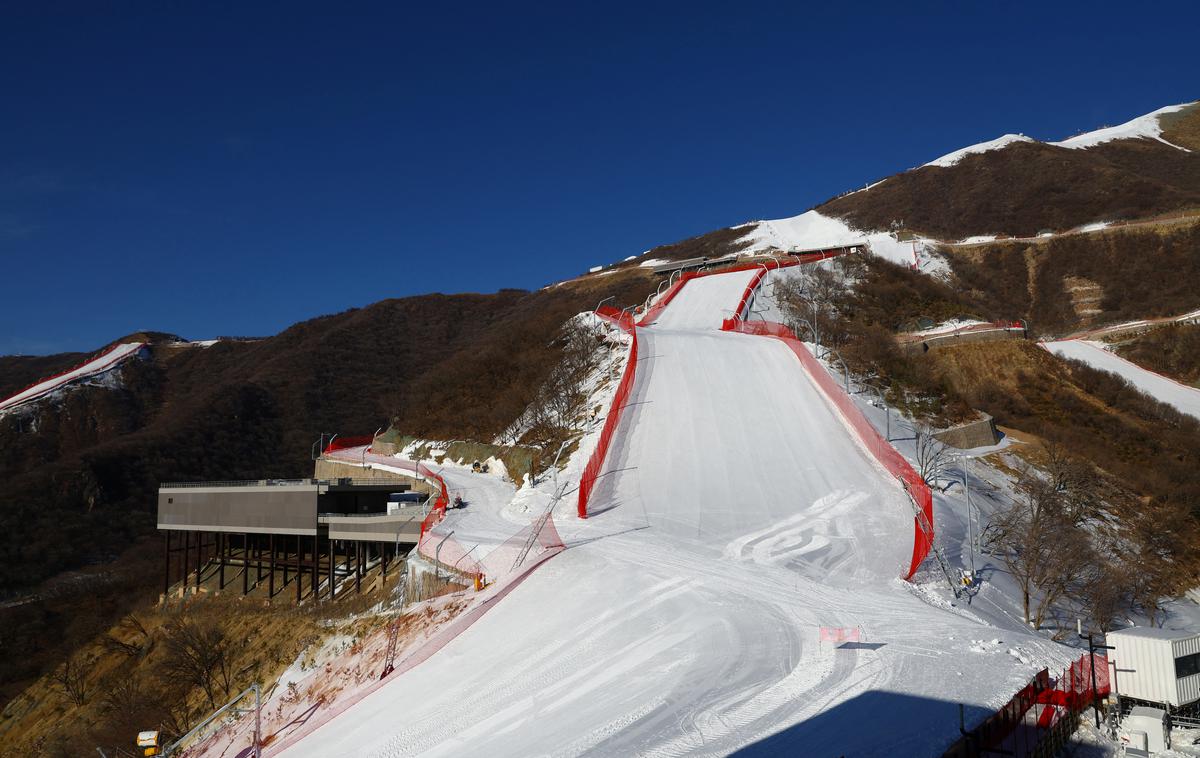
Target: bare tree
1162,544
72,677
1043,545
932,455
197,654
560,402
811,303
1104,593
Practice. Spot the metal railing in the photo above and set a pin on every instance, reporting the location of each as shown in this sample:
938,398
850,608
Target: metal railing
419,507
354,482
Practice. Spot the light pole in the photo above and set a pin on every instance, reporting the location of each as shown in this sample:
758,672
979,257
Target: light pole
437,557
962,471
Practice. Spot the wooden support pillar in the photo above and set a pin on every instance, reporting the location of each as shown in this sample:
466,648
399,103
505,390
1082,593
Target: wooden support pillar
222,543
257,559
332,583
271,581
199,553
299,578
357,566
183,565
167,564
383,561
245,563
314,568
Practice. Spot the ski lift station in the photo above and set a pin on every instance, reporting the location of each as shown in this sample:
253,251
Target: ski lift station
1158,666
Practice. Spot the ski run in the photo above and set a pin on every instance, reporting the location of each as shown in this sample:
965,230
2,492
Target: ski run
1181,397
93,367
737,517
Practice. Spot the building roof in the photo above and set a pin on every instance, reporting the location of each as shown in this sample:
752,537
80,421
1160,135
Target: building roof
1154,633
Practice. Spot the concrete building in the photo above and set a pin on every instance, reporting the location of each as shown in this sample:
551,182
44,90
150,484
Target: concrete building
318,532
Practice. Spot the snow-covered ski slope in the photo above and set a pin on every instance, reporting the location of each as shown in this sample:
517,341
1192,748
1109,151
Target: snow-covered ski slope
1183,398
101,363
736,517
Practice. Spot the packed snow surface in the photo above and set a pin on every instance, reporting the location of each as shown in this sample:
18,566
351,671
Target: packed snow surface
1181,397
950,159
812,230
98,365
735,517
1142,126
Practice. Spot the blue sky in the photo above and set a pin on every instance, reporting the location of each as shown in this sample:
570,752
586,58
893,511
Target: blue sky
232,168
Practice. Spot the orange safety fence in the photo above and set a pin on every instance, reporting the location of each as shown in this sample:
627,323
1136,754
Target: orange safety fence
345,443
592,471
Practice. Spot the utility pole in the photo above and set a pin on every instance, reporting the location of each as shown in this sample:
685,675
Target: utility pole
962,469
1092,648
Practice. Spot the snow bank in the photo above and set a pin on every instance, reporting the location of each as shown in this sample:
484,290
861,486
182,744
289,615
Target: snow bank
1146,126
949,159
952,325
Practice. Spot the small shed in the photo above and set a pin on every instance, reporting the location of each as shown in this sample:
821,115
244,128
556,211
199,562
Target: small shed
1157,665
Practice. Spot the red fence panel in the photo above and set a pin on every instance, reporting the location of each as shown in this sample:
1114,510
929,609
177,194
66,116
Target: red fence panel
344,443
592,471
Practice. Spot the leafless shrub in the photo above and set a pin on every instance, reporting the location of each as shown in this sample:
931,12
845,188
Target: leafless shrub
71,676
129,628
198,654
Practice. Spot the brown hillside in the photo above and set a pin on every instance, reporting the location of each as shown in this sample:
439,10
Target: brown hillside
1149,448
80,489
1028,187
1182,128
1126,273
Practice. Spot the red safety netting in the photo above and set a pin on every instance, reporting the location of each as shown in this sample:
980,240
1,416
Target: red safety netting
790,260
344,443
626,322
1073,688
870,439
1036,710
491,562
441,497
624,388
